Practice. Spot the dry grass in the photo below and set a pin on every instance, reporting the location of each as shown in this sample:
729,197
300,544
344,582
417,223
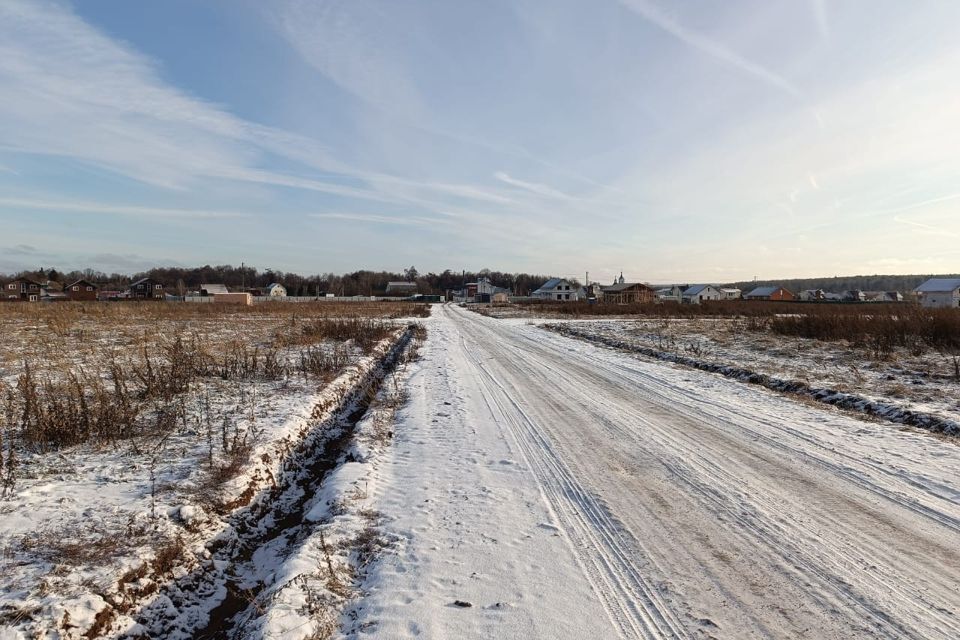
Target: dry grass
121,370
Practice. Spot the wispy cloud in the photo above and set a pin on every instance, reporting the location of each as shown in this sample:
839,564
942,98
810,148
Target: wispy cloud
533,187
118,210
655,16
417,221
938,230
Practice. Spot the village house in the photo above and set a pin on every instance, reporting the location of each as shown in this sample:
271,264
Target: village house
558,289
81,291
812,295
730,293
672,293
628,293
940,293
770,293
882,296
23,289
695,294
147,289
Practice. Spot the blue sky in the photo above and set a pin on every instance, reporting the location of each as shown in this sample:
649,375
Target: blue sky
680,141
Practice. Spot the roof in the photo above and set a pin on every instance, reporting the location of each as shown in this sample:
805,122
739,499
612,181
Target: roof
397,285
214,289
622,286
939,285
694,289
142,280
81,282
274,284
762,292
550,284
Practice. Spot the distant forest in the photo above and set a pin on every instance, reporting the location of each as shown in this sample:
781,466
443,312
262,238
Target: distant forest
183,279
839,284
179,280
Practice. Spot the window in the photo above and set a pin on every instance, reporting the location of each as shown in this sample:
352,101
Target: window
89,288
158,286
78,288
11,286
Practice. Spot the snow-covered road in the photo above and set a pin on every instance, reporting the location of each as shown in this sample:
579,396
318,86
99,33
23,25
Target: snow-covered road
570,491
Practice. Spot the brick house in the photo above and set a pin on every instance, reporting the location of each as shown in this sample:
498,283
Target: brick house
81,290
147,289
770,293
23,289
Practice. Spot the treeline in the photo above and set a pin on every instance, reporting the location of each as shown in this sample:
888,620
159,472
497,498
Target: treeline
839,284
182,279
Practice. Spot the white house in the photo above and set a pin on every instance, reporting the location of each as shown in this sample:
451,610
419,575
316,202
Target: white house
275,290
940,292
730,293
558,289
698,293
672,293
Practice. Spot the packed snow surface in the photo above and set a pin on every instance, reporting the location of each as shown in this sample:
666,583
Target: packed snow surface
544,487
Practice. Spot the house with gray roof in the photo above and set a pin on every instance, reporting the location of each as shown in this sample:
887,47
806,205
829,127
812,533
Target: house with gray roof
770,293
697,293
558,289
940,293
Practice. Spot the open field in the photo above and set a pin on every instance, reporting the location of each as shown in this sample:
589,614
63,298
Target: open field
132,434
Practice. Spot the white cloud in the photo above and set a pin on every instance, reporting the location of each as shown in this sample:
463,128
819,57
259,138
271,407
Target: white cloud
655,16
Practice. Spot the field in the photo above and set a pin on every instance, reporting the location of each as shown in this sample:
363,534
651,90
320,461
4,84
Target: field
133,434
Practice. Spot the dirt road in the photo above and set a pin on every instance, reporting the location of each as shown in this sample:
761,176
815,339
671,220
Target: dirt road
686,505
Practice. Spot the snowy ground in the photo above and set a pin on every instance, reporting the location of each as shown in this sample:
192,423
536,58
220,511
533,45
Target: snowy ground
921,382
90,532
544,487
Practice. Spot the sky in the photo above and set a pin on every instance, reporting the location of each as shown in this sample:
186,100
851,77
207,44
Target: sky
672,141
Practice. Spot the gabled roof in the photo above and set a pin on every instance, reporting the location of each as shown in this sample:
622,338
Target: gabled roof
763,292
939,285
213,289
550,284
696,289
82,283
142,280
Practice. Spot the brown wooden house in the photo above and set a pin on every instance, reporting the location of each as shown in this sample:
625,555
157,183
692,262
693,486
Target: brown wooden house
23,289
628,293
147,289
81,290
